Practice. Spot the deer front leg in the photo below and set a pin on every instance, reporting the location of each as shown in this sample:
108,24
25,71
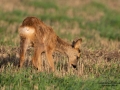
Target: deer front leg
50,59
23,47
37,58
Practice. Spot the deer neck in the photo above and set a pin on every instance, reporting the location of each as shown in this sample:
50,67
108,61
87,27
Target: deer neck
64,47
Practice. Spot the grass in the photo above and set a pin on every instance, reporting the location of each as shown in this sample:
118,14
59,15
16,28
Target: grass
98,73
44,5
98,25
11,17
27,79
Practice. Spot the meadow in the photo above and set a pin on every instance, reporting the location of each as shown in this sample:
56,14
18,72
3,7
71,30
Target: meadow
97,22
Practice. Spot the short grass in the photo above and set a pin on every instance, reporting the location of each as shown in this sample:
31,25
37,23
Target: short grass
95,21
27,78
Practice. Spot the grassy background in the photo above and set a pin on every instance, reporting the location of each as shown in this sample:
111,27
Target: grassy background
97,22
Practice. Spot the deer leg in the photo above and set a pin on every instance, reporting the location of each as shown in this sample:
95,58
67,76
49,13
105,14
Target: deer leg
23,48
37,58
50,59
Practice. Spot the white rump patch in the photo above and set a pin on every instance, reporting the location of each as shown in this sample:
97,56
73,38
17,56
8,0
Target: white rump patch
26,31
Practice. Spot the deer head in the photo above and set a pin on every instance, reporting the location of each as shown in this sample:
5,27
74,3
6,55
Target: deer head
74,53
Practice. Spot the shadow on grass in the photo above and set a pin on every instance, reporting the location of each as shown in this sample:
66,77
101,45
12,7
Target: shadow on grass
9,56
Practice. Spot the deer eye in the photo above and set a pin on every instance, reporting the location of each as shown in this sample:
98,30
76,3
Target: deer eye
79,50
78,57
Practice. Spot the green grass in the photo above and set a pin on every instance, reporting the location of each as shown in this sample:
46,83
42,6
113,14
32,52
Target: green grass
60,18
25,79
40,4
108,26
13,16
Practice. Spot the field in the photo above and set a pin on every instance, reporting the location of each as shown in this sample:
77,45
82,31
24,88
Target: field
97,22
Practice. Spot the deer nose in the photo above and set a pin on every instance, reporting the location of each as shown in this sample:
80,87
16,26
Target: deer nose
74,66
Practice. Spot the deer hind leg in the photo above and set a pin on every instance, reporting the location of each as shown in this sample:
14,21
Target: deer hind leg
37,58
50,59
23,48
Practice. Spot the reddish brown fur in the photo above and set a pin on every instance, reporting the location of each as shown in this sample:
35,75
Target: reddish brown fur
45,40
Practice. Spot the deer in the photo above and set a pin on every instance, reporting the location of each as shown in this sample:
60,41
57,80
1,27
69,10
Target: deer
34,32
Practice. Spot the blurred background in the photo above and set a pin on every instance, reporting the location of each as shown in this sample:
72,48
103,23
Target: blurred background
93,20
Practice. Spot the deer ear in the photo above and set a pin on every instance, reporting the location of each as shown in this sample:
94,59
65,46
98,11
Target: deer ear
76,44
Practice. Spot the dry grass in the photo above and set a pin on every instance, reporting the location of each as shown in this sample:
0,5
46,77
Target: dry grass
7,5
115,5
91,61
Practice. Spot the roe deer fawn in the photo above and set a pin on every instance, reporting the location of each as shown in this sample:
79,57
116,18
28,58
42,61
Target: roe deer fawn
43,39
